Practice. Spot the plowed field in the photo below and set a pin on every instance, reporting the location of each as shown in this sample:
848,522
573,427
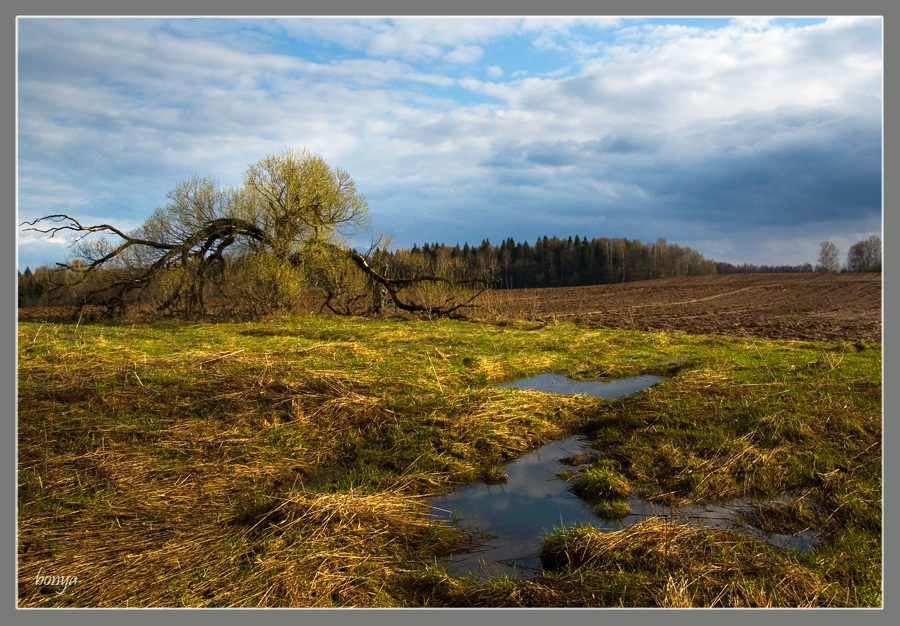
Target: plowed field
779,306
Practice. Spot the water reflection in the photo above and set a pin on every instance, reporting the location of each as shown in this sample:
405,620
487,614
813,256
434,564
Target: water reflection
554,383
515,515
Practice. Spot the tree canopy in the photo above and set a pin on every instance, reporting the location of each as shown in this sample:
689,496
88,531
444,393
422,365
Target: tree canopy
257,247
865,256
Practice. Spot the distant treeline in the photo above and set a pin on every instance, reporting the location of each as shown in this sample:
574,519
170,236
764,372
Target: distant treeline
549,262
728,268
555,262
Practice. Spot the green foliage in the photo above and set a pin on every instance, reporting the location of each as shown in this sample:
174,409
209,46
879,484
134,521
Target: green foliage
252,248
600,483
298,200
261,283
612,509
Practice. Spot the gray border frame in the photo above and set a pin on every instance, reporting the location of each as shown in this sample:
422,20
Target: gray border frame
15,8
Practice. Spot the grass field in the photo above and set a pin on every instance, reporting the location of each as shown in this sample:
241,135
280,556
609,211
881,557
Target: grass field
289,462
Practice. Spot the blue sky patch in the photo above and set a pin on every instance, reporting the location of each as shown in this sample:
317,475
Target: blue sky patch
750,140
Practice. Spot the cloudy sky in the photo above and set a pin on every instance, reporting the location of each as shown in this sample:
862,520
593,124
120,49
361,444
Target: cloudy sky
750,140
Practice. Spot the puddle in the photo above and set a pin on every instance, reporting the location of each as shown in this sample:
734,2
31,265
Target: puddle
720,516
512,517
554,383
517,513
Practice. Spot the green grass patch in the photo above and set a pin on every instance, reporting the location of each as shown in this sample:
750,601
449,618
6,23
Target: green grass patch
612,509
600,483
290,462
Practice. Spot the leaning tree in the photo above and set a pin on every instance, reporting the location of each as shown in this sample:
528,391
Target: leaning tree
257,247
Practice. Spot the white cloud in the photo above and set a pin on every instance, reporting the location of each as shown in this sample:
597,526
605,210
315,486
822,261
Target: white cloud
31,239
416,39
696,76
752,23
430,38
116,113
464,54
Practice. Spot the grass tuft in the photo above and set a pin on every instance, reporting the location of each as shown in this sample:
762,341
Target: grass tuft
612,509
599,483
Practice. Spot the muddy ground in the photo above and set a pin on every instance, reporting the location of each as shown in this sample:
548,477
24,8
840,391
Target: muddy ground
779,306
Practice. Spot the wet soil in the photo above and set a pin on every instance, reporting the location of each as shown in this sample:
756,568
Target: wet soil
806,306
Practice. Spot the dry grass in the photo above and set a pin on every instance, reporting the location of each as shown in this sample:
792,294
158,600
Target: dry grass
288,463
191,473
304,549
137,502
701,567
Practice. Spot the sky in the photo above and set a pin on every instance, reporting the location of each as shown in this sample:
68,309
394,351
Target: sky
750,140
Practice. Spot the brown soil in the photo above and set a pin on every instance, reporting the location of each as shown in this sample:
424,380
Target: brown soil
806,306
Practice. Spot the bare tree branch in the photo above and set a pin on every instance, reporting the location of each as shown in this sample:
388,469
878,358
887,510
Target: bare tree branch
258,246
394,285
221,233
